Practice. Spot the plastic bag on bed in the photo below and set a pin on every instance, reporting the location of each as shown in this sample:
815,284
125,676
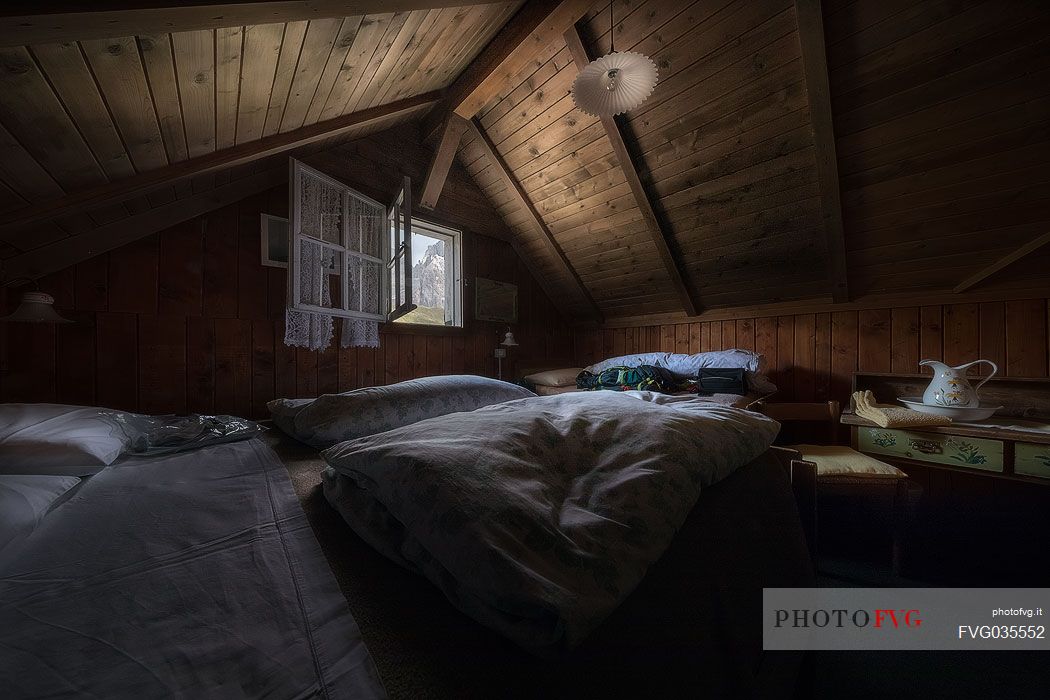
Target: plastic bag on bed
160,435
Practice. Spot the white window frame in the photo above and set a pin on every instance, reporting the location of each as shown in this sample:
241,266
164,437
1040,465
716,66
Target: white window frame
454,239
399,255
403,210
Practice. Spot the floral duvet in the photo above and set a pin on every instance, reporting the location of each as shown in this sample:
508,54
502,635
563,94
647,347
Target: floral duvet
538,516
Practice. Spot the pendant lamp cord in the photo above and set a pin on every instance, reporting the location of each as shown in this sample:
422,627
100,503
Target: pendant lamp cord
612,29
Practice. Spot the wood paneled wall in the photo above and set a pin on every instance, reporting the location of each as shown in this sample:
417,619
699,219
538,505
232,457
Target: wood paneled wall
189,320
812,356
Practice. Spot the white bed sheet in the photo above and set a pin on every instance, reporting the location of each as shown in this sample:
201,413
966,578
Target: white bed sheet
194,575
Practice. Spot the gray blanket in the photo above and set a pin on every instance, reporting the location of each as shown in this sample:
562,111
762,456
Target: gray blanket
537,517
194,576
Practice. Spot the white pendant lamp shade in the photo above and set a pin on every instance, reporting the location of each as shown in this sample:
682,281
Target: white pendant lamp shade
615,83
508,340
36,307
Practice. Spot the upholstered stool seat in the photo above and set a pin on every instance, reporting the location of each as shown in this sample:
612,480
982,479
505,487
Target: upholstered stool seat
842,472
839,460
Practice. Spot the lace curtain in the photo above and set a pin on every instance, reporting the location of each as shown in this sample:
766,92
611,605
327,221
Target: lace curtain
314,330
367,222
321,214
307,329
359,333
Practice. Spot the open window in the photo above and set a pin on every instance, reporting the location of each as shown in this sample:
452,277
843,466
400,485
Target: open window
437,275
399,266
347,250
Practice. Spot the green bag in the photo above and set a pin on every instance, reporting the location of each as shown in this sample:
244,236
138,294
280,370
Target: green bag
641,378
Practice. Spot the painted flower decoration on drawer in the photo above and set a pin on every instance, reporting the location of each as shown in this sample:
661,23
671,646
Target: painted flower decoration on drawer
967,452
883,438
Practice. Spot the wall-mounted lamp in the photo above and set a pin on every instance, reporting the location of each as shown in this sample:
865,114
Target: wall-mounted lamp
501,352
36,307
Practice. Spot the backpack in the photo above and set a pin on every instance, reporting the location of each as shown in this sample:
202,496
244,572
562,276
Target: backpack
641,378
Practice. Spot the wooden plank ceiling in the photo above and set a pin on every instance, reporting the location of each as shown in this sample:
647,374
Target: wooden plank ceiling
80,114
942,118
918,162
724,147
940,114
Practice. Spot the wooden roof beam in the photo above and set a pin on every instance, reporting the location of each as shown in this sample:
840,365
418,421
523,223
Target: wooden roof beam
661,237
101,195
455,126
69,251
519,195
815,68
26,23
536,24
1005,261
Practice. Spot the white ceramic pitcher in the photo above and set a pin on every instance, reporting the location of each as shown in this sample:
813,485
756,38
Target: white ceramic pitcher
950,387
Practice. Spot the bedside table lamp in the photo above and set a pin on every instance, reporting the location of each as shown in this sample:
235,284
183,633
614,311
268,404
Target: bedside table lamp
501,352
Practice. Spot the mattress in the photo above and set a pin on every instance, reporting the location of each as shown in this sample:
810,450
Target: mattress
691,628
193,575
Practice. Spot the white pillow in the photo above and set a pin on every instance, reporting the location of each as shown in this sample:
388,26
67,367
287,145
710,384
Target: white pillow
43,438
284,411
542,390
334,418
26,499
688,365
555,377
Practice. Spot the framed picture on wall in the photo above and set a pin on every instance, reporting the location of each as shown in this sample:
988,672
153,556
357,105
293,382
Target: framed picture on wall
495,301
274,237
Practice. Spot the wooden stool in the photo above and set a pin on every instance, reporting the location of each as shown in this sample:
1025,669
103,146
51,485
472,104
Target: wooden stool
841,469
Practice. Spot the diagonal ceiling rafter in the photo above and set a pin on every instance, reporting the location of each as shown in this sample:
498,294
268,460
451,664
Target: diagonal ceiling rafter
661,237
522,199
536,24
248,152
1003,262
61,254
810,21
455,127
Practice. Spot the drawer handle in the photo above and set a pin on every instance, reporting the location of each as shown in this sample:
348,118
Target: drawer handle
927,447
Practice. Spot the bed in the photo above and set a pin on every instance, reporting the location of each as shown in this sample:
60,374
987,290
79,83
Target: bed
209,582
189,575
690,629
